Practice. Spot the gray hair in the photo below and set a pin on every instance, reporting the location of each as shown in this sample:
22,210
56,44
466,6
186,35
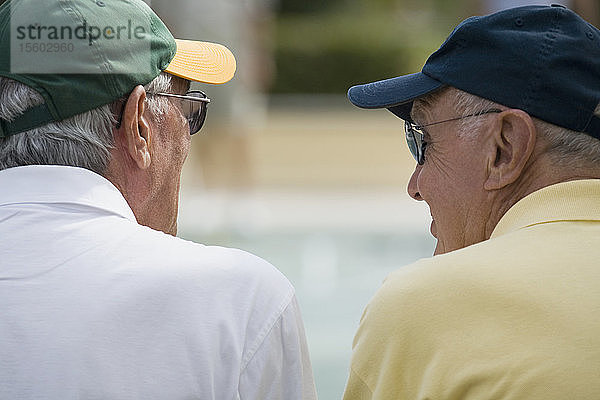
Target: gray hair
566,148
84,140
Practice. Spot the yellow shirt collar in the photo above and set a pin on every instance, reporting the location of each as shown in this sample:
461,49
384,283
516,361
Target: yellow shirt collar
565,201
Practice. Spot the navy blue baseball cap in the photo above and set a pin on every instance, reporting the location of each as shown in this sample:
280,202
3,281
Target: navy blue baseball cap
544,60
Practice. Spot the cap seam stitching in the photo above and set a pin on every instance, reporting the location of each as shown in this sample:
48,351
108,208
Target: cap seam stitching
101,60
5,27
544,52
157,32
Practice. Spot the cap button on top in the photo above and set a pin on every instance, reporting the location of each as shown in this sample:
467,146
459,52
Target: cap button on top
519,22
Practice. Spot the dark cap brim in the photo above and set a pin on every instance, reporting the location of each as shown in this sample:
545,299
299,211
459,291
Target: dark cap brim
395,94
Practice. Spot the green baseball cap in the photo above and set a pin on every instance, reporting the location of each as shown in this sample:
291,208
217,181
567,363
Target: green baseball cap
82,54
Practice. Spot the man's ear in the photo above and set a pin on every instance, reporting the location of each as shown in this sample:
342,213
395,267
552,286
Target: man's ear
135,128
513,140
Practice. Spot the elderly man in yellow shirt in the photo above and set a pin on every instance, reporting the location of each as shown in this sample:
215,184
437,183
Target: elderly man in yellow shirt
504,124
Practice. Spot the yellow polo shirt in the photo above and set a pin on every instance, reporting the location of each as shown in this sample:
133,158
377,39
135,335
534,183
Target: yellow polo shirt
514,317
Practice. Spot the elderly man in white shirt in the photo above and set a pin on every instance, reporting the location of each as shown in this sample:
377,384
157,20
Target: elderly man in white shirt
99,298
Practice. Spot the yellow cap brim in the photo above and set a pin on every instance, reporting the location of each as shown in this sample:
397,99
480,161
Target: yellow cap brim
202,62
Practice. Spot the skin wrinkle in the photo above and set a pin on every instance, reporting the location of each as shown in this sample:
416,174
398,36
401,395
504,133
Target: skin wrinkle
458,166
151,148
450,184
440,168
419,113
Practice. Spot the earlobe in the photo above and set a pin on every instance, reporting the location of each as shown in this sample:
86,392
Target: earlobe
513,136
136,129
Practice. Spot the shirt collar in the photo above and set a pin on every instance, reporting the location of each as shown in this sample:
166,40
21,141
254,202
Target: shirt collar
566,201
61,184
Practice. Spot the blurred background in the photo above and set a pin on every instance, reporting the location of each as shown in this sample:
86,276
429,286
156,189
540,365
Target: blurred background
287,169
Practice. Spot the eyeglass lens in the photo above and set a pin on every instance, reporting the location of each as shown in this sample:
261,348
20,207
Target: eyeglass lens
414,140
195,111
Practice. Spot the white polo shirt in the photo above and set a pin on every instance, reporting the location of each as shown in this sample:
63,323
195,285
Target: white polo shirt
96,306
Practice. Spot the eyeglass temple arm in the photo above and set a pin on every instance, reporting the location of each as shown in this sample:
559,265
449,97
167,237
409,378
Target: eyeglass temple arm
205,99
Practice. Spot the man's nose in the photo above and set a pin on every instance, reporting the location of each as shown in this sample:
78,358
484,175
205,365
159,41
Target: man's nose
413,188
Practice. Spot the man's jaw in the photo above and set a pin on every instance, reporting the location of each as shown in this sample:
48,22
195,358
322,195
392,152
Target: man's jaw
433,228
439,246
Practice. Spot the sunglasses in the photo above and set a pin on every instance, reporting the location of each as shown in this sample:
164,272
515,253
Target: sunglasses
194,106
415,137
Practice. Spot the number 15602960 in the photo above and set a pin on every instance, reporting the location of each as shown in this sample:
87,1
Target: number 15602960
46,47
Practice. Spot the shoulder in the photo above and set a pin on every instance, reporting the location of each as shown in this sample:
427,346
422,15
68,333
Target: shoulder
488,269
418,308
209,283
151,261
447,288
461,269
191,259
